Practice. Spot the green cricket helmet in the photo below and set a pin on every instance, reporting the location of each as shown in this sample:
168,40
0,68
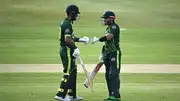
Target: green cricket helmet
108,17
73,10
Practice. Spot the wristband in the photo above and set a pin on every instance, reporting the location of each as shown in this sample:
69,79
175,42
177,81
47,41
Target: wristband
103,39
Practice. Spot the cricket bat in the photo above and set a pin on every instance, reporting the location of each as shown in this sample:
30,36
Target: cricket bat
93,74
86,73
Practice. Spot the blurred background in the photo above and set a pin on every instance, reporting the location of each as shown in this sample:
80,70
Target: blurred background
29,30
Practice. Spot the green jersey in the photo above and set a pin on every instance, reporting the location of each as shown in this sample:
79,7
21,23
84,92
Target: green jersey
65,29
113,44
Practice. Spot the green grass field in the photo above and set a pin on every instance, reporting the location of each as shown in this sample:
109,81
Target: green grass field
29,35
134,87
29,30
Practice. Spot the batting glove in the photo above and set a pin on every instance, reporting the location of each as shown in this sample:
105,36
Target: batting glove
84,39
94,40
76,53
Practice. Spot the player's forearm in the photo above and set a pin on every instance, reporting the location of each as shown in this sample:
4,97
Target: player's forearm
105,38
102,39
70,43
76,39
83,39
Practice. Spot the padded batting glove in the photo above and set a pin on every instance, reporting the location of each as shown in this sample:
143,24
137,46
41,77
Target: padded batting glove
76,53
84,39
94,40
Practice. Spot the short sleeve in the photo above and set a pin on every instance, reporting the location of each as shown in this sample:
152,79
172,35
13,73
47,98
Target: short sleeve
67,30
114,29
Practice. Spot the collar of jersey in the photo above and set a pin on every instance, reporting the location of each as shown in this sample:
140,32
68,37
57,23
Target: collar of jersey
68,20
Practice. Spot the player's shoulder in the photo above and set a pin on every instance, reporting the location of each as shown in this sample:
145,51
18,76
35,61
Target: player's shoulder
115,26
65,23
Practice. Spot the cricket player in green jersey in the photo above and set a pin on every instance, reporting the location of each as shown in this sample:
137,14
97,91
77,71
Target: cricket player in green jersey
68,53
111,55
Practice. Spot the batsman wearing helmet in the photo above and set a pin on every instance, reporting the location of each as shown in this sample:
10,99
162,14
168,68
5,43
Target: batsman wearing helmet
111,55
68,53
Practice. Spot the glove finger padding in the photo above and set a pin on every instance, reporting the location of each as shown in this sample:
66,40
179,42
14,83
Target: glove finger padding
94,40
76,52
84,39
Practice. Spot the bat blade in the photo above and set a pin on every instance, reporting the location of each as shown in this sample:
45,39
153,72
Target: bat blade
86,73
93,74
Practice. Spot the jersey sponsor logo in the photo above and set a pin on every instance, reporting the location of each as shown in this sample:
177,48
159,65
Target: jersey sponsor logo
67,30
113,59
113,27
